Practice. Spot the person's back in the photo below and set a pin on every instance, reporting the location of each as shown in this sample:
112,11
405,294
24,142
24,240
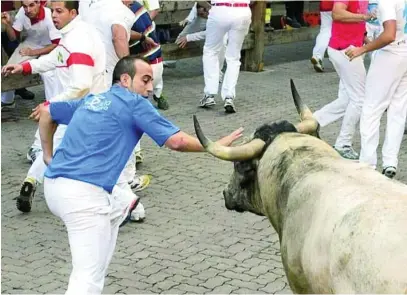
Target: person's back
103,14
400,43
101,135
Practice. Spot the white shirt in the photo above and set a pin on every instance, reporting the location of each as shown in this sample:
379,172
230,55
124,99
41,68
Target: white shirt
39,34
395,10
103,14
79,61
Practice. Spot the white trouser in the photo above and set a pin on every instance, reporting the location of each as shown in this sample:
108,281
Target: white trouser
92,218
234,21
50,93
50,80
158,83
351,95
322,41
199,25
386,88
38,168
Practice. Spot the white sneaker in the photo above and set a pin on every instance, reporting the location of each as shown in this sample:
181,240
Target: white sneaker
318,66
138,214
207,100
32,154
389,171
138,183
229,106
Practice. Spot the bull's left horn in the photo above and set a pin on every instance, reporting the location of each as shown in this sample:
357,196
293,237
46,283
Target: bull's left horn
308,125
244,152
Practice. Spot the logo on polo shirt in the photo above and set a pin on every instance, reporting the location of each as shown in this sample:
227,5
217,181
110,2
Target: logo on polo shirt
97,103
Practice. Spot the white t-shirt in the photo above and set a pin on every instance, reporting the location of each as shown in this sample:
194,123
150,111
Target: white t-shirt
395,10
103,14
39,34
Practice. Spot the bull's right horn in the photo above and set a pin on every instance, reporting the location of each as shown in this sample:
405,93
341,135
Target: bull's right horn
308,124
243,152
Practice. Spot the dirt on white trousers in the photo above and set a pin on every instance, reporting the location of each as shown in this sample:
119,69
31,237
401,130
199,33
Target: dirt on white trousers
222,20
350,99
386,88
92,217
324,35
51,83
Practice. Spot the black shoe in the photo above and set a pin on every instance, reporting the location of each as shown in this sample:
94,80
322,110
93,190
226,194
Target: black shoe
292,22
162,102
25,199
25,94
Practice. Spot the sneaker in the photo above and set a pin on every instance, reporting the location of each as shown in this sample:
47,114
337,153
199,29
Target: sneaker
25,199
25,94
129,209
32,154
207,100
139,157
162,102
8,105
229,106
318,66
138,214
389,171
140,183
347,152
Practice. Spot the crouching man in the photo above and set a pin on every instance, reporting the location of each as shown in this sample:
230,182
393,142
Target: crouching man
79,185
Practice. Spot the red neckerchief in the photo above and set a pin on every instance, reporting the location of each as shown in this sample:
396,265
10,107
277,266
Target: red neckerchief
40,16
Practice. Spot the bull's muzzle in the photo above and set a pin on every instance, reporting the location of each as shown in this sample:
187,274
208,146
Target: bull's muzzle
230,204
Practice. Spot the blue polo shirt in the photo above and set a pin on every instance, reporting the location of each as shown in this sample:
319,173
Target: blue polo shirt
102,132
145,25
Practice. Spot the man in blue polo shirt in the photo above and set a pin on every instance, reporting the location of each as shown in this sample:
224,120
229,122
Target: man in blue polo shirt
80,181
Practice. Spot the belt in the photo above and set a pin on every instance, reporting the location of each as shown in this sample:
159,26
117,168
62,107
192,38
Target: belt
156,61
231,4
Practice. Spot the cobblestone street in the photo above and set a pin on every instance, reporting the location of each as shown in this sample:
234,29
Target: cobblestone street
189,242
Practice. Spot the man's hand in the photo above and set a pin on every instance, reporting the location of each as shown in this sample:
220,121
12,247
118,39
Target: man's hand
27,52
150,42
47,159
183,23
229,139
182,42
6,18
36,112
12,69
354,52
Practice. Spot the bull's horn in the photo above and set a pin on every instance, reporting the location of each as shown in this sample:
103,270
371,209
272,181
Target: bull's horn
244,152
308,125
